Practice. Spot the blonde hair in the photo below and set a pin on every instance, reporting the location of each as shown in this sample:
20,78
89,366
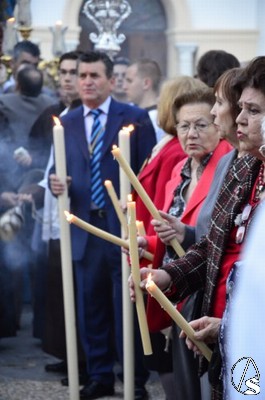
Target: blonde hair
170,91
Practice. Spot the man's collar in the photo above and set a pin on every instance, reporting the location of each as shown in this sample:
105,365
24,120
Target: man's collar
104,107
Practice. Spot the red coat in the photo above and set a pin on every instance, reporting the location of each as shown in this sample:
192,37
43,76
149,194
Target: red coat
189,217
154,177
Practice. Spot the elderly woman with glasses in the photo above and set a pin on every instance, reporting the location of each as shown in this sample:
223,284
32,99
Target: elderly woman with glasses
184,196
208,263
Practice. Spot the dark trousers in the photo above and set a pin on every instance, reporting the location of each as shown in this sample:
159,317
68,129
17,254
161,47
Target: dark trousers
99,303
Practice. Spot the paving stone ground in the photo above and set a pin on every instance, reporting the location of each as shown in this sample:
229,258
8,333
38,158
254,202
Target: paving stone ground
22,374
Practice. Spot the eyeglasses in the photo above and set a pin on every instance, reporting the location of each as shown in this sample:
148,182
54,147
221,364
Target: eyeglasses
183,128
242,223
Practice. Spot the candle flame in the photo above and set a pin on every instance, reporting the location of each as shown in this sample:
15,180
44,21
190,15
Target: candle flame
107,183
11,19
69,217
129,198
149,282
56,120
128,128
149,278
114,147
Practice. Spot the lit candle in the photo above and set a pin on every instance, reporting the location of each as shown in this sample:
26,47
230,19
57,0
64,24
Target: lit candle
124,144
66,259
142,193
10,37
127,308
140,228
58,44
102,234
115,201
135,268
24,13
154,291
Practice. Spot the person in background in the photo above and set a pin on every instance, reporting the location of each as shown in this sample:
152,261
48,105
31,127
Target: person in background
119,71
24,52
18,111
213,63
49,315
142,86
90,132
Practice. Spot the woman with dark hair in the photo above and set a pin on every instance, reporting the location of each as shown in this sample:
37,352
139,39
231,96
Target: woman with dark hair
213,64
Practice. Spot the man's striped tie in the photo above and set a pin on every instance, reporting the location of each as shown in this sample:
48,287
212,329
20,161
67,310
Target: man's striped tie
96,142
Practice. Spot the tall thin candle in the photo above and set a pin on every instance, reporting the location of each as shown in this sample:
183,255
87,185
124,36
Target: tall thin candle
135,268
67,268
142,193
154,291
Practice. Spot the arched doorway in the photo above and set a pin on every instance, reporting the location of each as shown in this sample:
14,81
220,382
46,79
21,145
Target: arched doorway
144,30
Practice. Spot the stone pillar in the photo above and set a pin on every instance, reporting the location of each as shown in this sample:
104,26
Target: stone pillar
186,58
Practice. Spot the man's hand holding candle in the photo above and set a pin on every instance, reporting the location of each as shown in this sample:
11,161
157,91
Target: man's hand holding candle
57,186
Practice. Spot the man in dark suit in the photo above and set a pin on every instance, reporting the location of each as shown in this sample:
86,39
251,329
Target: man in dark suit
97,263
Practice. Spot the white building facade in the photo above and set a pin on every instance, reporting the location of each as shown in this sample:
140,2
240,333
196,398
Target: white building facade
190,28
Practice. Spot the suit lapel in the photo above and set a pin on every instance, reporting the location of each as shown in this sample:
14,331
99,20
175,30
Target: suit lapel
114,124
80,133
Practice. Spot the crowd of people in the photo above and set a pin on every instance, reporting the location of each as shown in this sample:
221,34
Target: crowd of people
198,150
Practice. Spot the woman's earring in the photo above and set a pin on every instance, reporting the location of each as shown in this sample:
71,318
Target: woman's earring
262,150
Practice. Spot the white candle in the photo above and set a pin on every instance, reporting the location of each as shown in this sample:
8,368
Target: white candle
140,228
142,193
115,202
135,268
127,308
10,37
67,268
58,43
124,144
72,219
154,291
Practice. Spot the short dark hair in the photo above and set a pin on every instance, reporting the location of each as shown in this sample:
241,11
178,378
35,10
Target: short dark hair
253,75
226,84
213,64
25,46
95,56
70,55
121,61
30,80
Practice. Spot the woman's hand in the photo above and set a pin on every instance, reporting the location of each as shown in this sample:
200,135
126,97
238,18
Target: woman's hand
170,229
142,245
161,278
206,330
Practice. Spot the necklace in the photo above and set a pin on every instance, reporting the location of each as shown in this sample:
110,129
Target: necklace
260,186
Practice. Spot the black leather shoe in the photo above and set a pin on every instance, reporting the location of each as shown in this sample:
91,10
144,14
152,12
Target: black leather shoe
57,367
140,393
95,390
83,380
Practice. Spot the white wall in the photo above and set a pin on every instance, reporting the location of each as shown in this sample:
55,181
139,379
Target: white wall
47,12
223,14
